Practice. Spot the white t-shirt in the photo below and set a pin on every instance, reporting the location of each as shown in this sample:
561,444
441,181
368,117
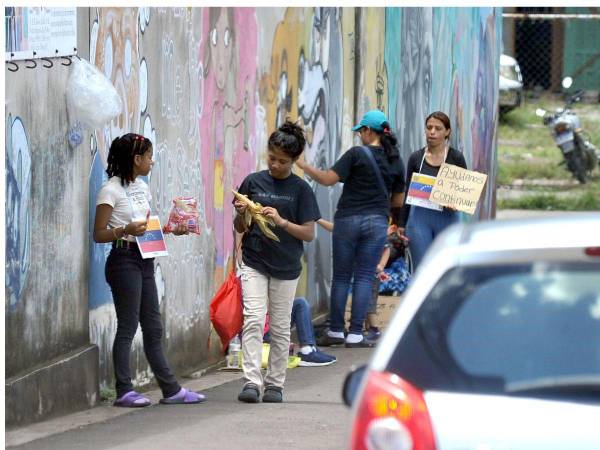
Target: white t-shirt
129,203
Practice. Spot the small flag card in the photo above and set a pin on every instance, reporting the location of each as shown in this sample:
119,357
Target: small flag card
152,242
419,191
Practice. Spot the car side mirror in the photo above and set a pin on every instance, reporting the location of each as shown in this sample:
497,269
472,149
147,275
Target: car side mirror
352,383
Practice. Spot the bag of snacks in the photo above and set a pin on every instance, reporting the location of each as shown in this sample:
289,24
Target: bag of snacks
184,211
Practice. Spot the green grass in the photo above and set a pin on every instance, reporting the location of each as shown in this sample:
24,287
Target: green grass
526,151
587,201
508,172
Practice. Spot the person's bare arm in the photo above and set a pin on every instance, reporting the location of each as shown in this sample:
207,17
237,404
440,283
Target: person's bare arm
397,200
326,224
385,256
103,234
238,222
304,231
324,177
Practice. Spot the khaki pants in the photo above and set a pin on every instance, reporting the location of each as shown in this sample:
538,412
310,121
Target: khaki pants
260,291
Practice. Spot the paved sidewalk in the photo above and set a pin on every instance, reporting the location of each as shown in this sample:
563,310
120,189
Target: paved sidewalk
312,416
104,412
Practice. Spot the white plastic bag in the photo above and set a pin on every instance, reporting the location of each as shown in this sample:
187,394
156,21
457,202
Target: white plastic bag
91,97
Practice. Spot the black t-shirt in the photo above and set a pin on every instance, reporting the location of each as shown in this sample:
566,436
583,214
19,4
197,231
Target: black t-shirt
414,165
362,194
295,201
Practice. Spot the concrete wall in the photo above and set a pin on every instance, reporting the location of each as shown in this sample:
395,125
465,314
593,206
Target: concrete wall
208,99
46,293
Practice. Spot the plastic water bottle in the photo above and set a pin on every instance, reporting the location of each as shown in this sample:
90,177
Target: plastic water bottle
234,352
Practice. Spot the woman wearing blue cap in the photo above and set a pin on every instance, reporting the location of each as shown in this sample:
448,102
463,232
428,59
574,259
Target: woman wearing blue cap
372,174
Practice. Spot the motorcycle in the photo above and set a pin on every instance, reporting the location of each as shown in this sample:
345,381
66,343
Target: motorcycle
580,155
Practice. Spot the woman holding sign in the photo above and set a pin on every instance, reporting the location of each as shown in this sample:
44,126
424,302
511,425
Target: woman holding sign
122,211
422,219
373,174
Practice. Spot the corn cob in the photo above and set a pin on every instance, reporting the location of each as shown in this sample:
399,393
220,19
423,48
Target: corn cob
254,213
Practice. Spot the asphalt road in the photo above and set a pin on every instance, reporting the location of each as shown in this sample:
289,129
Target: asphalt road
312,416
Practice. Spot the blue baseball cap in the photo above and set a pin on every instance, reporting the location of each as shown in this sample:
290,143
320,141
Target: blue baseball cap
373,119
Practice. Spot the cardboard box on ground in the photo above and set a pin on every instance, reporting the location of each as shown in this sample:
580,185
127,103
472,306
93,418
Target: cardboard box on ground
386,306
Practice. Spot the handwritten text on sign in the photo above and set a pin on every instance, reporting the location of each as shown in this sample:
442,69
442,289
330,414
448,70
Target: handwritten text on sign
458,188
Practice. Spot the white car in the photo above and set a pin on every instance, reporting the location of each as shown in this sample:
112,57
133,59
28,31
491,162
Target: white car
510,84
496,344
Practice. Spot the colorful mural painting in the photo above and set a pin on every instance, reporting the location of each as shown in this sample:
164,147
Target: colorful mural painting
18,214
208,86
228,55
448,57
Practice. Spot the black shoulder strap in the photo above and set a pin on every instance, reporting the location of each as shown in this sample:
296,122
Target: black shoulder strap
367,152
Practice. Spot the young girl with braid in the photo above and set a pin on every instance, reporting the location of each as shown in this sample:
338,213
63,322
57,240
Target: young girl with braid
122,209
270,269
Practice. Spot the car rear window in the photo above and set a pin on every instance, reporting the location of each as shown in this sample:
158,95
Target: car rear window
506,329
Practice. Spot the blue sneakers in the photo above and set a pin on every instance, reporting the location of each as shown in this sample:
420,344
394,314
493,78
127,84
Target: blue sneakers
373,334
316,358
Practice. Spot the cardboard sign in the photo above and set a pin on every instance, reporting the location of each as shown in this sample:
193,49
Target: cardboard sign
419,191
457,187
152,242
386,306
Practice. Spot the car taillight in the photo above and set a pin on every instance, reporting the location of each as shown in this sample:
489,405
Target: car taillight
592,251
391,414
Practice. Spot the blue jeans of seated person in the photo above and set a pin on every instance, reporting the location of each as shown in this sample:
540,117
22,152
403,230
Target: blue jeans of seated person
423,226
302,319
358,243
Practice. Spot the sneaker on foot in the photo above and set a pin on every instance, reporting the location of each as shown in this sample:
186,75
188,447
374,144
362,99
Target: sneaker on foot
249,394
373,334
361,344
316,358
327,341
272,394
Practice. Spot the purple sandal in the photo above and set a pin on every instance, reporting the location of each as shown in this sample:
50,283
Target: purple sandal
132,400
184,397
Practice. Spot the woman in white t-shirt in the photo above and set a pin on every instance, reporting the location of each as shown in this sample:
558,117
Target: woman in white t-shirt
122,210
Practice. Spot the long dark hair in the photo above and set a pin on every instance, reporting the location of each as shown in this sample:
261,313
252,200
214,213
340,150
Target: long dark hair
122,153
389,142
289,137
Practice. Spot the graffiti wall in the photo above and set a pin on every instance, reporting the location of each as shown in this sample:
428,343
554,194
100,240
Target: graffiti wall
208,86
46,239
447,59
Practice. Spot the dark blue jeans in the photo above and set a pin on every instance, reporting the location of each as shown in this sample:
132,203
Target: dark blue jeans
423,226
357,247
302,319
131,280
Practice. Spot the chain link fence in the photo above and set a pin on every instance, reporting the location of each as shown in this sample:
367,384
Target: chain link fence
550,43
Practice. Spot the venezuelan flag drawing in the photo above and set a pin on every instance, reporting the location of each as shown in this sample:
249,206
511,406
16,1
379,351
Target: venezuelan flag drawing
419,191
152,242
421,186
